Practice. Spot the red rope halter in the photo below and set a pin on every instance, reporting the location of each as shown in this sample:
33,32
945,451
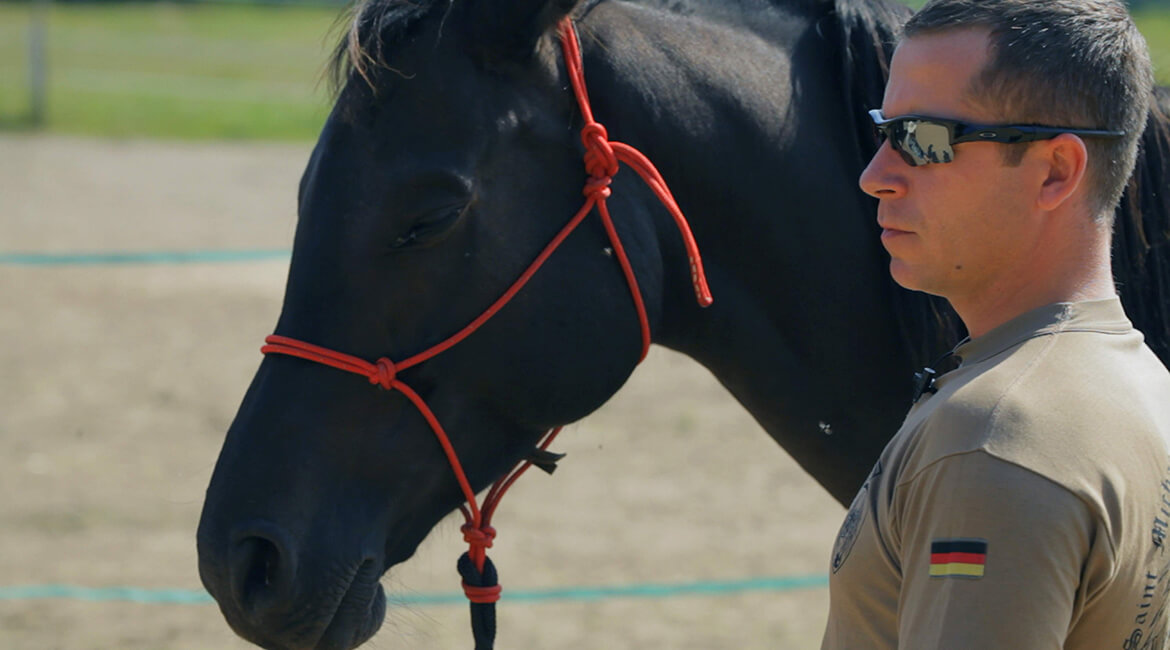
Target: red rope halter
601,162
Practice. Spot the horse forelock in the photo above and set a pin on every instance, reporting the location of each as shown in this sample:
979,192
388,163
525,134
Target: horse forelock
372,29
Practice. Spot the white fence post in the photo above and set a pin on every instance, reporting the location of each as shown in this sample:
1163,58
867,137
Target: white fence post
38,60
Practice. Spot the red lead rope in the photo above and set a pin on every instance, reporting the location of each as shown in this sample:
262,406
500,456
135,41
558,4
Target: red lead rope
601,162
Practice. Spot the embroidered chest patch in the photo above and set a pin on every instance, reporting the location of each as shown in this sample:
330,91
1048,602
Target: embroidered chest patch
853,520
957,558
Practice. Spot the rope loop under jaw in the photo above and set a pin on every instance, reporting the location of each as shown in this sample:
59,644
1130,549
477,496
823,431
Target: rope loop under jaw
481,585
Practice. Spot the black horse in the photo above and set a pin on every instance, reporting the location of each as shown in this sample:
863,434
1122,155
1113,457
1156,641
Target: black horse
452,157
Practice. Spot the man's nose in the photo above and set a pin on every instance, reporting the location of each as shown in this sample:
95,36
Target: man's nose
884,177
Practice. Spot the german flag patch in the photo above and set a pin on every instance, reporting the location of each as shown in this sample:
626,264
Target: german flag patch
957,558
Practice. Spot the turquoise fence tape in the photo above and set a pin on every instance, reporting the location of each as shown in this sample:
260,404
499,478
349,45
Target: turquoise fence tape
196,597
105,594
646,590
113,258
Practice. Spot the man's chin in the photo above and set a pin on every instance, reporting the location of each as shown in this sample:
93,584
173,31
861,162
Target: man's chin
912,278
902,274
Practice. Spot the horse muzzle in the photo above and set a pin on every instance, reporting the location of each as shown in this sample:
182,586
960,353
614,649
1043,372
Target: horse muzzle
268,598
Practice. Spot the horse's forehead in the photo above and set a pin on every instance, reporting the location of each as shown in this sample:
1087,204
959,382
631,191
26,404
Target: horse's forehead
426,116
447,92
410,138
420,133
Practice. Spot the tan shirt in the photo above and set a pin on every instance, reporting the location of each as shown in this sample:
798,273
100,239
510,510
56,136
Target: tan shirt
1026,504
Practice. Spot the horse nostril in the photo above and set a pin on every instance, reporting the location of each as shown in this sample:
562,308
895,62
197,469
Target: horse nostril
262,569
260,561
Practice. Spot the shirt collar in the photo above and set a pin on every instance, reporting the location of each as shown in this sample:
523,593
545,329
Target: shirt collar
1106,316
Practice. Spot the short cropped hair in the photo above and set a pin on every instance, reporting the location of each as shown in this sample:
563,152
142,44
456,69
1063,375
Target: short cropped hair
1073,63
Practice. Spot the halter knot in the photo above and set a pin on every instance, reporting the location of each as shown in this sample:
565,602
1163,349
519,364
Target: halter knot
600,160
598,187
478,537
385,372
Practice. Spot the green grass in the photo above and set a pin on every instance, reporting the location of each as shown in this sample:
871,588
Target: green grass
167,70
1155,26
212,70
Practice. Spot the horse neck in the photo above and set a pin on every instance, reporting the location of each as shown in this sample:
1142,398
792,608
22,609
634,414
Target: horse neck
802,306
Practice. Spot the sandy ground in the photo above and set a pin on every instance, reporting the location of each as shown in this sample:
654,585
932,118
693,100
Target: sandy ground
118,382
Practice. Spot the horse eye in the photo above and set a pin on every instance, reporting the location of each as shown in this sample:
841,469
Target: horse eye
431,228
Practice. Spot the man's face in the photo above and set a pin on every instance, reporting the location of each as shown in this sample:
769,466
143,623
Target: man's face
957,229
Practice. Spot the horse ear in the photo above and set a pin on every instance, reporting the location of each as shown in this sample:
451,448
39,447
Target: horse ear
508,30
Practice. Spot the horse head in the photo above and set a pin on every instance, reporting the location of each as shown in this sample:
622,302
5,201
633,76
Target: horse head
450,160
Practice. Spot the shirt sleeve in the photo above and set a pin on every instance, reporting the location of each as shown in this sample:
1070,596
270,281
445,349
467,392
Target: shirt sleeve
991,556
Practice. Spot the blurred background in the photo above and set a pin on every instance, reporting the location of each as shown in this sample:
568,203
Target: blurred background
176,70
149,159
210,70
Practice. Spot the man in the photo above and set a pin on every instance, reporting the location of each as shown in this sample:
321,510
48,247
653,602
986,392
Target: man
1025,501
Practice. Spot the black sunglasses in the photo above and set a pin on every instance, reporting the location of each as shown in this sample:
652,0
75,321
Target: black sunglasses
923,140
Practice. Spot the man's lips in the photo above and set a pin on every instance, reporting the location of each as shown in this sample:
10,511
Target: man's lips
891,231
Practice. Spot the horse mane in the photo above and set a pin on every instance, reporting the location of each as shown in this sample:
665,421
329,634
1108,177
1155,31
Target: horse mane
1141,233
865,32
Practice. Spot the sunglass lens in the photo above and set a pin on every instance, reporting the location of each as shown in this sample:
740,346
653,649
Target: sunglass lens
902,140
921,142
935,141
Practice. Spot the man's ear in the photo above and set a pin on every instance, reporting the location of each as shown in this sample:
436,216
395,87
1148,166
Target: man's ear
1066,160
502,31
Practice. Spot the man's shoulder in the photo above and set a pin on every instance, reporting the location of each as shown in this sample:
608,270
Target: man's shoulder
1074,387
1073,408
